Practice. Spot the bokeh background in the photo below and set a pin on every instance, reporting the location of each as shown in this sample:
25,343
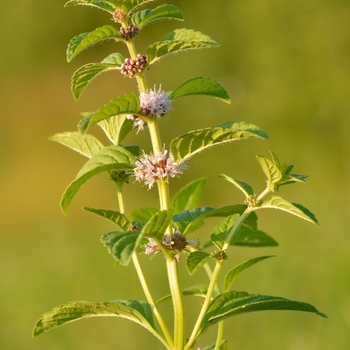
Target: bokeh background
286,66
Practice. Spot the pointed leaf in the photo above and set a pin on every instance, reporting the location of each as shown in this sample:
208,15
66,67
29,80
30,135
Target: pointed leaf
233,273
177,41
85,40
116,128
276,202
87,145
110,158
272,173
164,11
133,310
85,74
234,303
125,104
122,244
187,198
102,5
249,237
117,218
158,224
186,146
198,291
197,259
242,186
201,86
223,229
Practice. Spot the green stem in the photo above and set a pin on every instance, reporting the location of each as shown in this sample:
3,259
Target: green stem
219,336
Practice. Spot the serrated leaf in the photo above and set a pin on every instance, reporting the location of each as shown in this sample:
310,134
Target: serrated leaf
187,145
109,158
116,128
198,291
85,74
122,244
102,5
233,273
177,41
222,230
270,169
187,197
129,5
234,303
157,224
87,145
201,86
133,310
117,218
242,186
85,40
276,202
197,259
143,214
125,104
164,11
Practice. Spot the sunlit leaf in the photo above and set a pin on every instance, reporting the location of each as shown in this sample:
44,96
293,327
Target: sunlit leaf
129,5
222,230
187,198
272,173
110,158
116,128
102,5
85,74
164,11
87,145
117,218
177,41
85,40
197,259
122,244
187,145
133,310
157,224
234,303
242,186
198,291
201,86
233,273
276,202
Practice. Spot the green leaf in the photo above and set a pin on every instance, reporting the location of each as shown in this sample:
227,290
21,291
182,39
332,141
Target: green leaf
116,128
201,86
223,229
102,5
234,303
129,5
125,104
233,273
187,145
110,158
187,198
249,237
117,218
122,244
158,224
276,202
198,291
85,74
164,11
223,346
177,41
85,40
242,186
272,173
133,310
143,214
197,259
87,145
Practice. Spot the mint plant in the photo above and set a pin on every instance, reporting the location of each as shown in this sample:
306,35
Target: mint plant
168,231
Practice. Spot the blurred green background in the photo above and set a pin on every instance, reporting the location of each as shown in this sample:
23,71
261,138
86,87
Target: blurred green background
286,66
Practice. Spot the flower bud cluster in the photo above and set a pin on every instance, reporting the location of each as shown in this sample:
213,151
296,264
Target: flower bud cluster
130,32
131,67
118,16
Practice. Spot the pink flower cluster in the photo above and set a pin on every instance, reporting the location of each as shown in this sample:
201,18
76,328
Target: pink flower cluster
130,32
131,67
151,168
155,102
